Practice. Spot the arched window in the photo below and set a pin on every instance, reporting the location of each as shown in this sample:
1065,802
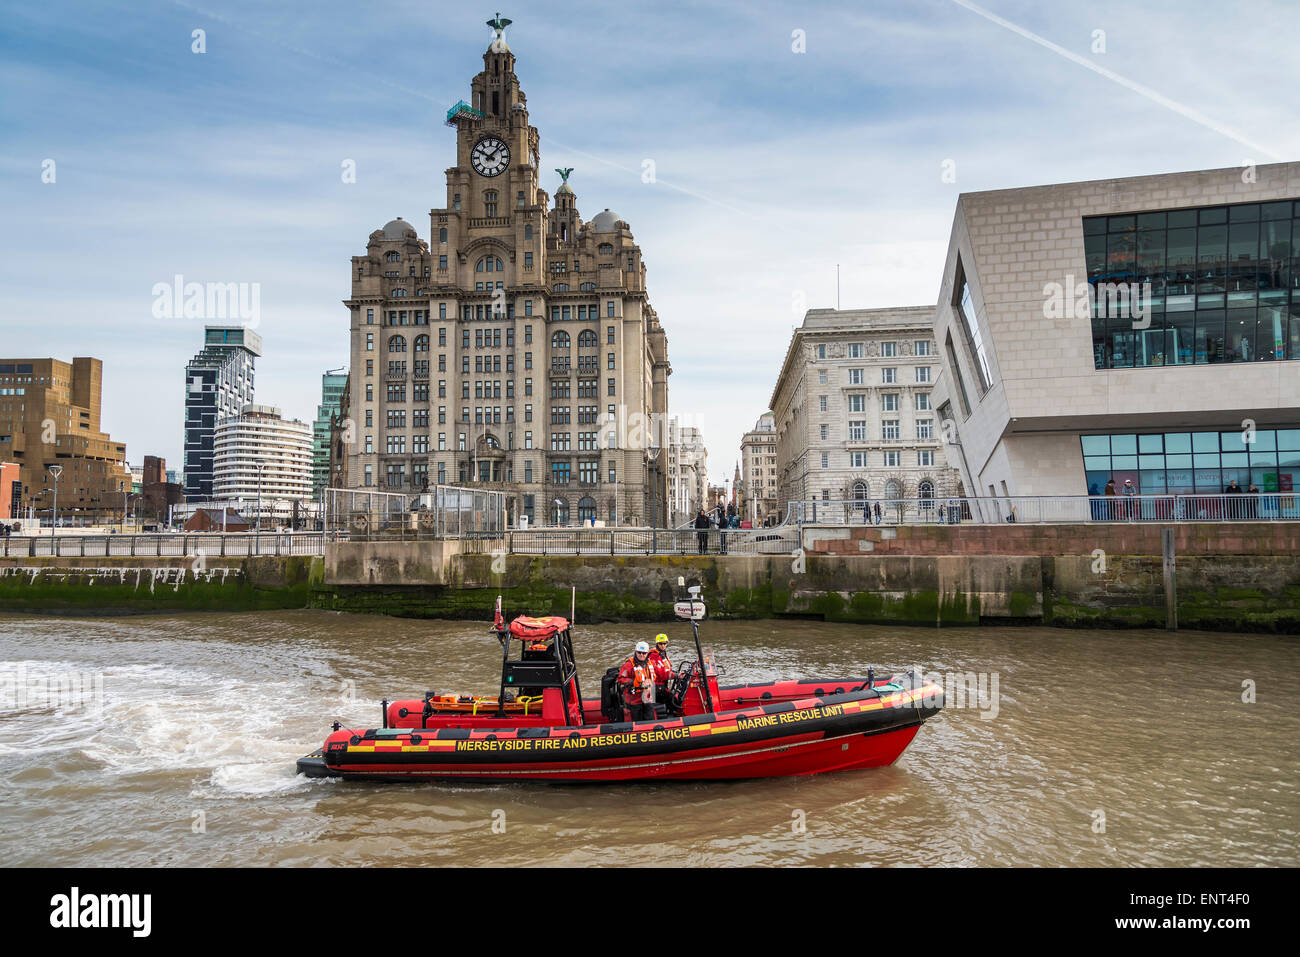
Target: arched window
560,340
860,493
421,344
397,344
398,293
560,512
586,509
587,287
489,264
490,203
560,287
587,339
393,257
605,249
893,490
442,235
925,492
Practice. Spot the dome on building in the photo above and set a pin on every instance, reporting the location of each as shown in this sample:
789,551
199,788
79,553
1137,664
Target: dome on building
605,222
564,188
398,229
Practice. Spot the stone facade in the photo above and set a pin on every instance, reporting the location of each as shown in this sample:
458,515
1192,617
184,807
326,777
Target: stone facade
516,348
853,412
50,415
759,471
688,473
1018,415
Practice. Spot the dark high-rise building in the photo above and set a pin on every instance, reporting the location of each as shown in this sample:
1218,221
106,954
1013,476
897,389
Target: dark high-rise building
218,383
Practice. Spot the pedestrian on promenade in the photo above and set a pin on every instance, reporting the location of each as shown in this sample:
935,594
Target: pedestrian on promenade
1252,501
1110,505
1130,500
702,531
1233,506
875,513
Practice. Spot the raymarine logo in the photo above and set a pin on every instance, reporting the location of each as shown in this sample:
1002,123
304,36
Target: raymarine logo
102,910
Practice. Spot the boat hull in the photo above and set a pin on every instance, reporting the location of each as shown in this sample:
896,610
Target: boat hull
858,729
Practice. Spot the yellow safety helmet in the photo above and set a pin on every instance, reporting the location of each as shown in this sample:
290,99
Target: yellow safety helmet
661,639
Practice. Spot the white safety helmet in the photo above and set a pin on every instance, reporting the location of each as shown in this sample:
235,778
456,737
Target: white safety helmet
641,646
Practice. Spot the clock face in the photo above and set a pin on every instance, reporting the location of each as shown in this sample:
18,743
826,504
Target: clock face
490,156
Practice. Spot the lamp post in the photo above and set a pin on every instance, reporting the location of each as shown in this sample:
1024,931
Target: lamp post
56,471
257,536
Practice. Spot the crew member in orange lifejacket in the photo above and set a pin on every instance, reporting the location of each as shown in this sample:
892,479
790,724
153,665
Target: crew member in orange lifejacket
637,678
660,658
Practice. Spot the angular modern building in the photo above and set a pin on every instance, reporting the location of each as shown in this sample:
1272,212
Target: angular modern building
688,472
332,384
1144,328
218,383
854,412
50,415
516,348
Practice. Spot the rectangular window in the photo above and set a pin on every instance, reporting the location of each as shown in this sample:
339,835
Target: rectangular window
370,317
888,350
560,473
611,387
888,376
889,429
609,309
855,350
922,347
611,360
609,335
857,430
821,376
856,376
925,428
588,471
821,352
824,430
857,403
925,458
889,402
922,373
821,403
858,459
826,460
922,401
892,459
370,342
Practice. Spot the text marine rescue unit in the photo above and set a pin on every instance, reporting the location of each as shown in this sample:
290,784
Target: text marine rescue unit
539,727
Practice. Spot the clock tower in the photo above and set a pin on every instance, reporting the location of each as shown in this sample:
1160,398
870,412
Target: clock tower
537,366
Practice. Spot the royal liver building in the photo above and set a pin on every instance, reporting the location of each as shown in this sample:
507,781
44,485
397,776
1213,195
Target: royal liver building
516,349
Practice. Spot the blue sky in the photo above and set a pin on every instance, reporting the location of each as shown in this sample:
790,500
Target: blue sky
772,166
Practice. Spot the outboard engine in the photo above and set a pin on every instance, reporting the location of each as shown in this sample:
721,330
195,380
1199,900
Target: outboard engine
611,702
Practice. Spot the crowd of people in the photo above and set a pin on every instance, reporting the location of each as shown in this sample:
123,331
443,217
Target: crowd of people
720,517
1119,503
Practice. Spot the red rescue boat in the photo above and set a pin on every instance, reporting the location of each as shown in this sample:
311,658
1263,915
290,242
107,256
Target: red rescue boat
538,727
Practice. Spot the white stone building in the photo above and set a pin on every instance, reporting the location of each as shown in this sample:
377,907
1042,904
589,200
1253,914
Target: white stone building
853,411
759,481
688,472
259,454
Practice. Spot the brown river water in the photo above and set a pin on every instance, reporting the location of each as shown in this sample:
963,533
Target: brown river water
172,740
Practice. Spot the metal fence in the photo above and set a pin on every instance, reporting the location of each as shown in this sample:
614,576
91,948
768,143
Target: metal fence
445,511
165,545
638,541
1066,509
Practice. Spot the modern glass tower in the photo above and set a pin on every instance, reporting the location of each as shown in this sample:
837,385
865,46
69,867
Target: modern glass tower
218,383
332,384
